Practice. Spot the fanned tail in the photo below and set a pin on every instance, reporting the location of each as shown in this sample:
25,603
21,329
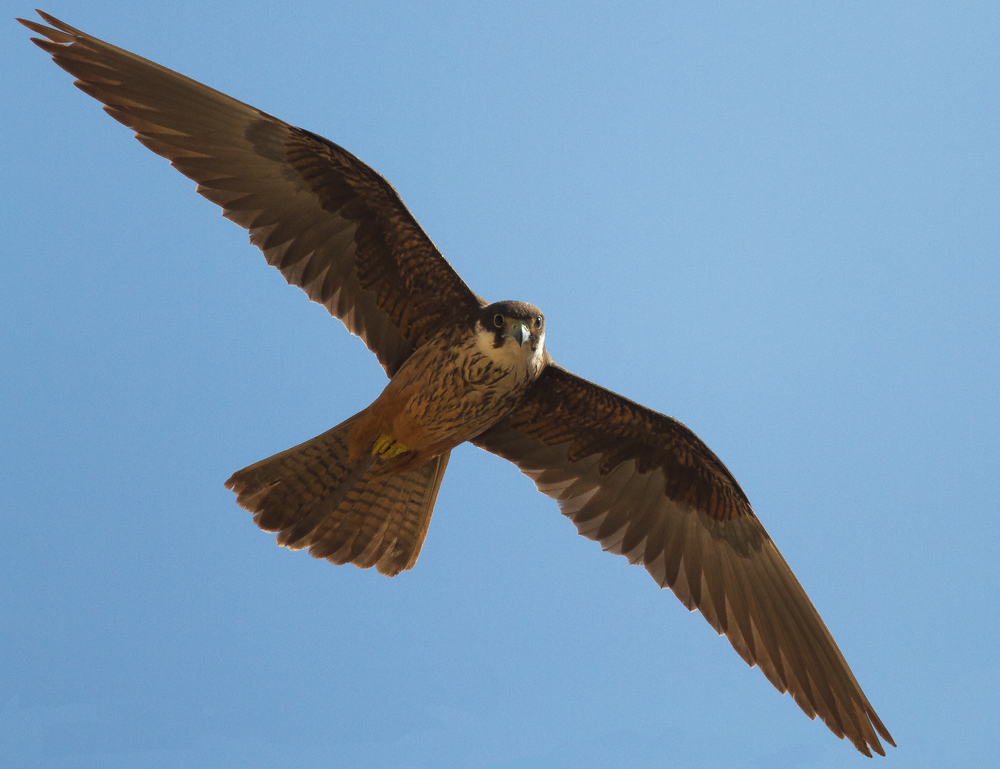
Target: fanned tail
346,511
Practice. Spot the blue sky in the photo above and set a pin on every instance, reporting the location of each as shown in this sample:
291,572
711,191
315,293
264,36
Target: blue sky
777,224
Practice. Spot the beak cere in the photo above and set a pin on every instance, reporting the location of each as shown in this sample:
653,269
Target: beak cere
519,332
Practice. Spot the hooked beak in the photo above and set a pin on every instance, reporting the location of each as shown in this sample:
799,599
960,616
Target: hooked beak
518,332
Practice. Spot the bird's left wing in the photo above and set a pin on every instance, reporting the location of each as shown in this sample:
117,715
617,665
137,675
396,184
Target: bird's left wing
644,486
330,224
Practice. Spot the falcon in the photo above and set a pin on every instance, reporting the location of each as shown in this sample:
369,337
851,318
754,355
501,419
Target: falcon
461,369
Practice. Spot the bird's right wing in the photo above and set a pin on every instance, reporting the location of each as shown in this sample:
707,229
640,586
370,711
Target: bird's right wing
644,486
330,224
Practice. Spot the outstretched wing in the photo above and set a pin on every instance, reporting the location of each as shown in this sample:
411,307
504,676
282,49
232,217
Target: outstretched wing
328,222
646,487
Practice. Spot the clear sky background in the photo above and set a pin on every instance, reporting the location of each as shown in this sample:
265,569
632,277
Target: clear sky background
777,224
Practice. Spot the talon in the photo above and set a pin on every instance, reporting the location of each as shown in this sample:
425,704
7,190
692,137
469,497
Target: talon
387,447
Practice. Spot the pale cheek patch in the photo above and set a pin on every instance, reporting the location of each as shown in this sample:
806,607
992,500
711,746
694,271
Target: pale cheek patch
534,361
506,356
484,341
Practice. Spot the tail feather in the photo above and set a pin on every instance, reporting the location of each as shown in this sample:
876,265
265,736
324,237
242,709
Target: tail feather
314,496
324,508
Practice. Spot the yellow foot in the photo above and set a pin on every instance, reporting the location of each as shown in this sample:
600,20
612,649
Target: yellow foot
387,447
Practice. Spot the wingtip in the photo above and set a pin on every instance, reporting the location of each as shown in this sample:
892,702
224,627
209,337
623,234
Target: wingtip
59,31
60,25
863,742
58,34
34,26
880,728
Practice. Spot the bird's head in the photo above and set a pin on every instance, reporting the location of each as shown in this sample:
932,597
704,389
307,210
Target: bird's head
511,333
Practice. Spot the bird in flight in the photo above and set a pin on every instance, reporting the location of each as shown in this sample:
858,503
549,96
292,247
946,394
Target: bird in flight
461,369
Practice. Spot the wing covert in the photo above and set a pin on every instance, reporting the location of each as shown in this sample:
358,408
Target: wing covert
646,487
330,224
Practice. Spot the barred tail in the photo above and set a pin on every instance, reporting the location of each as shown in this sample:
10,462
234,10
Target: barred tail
314,496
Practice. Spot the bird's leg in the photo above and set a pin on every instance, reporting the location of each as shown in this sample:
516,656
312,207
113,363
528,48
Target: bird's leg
387,447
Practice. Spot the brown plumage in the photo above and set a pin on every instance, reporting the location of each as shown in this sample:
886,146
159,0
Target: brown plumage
638,482
346,511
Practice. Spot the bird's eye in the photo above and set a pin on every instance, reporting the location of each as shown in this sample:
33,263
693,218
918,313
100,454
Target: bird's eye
538,321
498,321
